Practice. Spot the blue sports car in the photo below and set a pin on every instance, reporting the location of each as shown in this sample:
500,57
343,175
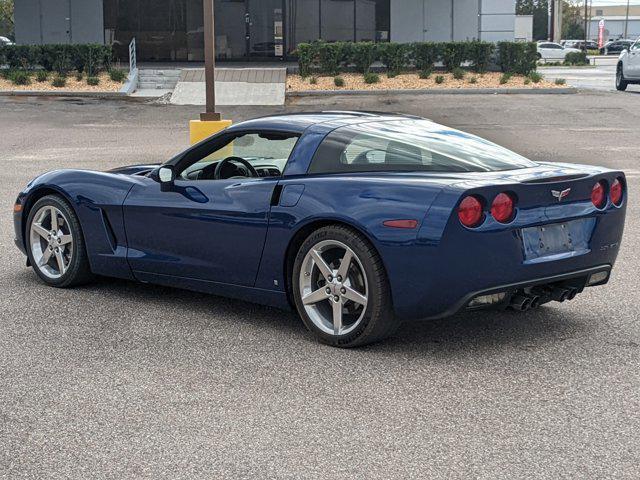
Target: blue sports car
356,220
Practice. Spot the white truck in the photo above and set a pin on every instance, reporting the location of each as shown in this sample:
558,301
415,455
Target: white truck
628,69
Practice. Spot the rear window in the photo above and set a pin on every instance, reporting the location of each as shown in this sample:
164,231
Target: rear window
410,145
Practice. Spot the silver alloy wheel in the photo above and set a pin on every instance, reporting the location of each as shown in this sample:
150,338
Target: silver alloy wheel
51,242
333,287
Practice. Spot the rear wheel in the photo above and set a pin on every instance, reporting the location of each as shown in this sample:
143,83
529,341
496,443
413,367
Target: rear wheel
55,245
621,83
341,290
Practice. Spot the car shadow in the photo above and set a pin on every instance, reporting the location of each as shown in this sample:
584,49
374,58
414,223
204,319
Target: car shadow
470,331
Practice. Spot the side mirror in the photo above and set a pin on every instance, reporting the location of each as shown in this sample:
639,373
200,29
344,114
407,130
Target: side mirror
166,175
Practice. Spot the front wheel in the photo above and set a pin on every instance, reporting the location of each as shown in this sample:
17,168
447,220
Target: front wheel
55,245
341,290
621,83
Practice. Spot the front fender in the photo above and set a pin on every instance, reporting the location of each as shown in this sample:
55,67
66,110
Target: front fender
97,200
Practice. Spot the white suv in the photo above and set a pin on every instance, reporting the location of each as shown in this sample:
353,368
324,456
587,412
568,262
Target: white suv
628,69
5,41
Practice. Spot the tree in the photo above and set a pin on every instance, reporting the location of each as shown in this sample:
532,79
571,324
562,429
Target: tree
572,20
7,24
540,11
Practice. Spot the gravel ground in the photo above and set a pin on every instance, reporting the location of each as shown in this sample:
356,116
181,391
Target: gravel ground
121,380
72,85
411,81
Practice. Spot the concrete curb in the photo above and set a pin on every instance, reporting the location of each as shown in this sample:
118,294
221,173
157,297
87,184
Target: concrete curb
37,93
442,91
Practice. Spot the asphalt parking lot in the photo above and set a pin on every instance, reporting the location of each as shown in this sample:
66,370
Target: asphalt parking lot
122,380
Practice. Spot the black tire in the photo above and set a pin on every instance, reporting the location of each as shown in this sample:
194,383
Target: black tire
378,321
78,271
621,83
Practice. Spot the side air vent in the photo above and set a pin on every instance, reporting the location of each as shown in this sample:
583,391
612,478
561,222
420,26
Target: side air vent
111,236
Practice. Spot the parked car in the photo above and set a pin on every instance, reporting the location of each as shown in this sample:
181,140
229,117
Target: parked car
628,68
616,47
553,51
5,41
580,44
356,220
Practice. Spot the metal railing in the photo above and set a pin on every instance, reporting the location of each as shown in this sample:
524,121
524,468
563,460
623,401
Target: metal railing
133,63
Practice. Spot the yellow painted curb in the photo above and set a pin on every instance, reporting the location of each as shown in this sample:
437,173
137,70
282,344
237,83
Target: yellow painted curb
199,130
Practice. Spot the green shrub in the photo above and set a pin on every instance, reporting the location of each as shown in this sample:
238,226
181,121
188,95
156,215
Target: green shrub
79,76
473,80
393,56
23,57
576,58
371,77
42,76
117,75
479,53
7,73
20,77
517,57
59,57
439,79
535,77
331,56
560,81
425,54
527,81
505,78
424,74
391,74
59,81
313,81
453,54
363,55
93,81
307,57
458,73
338,81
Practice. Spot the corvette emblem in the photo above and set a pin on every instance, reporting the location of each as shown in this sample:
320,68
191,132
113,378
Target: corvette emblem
560,194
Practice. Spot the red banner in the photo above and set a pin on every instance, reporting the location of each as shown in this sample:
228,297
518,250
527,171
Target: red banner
601,33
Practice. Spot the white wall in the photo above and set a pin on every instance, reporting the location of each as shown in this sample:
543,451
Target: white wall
445,20
497,20
407,21
39,21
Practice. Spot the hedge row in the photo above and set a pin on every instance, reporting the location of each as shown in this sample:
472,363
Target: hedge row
333,58
62,58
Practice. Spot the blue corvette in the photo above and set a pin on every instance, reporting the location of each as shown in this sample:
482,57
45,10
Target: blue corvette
356,220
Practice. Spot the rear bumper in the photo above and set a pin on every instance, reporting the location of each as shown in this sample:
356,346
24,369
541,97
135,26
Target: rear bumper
579,279
434,280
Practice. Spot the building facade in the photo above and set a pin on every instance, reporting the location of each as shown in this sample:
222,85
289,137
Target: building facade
617,20
172,30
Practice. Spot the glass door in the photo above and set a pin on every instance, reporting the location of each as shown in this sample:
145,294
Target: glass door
230,29
265,28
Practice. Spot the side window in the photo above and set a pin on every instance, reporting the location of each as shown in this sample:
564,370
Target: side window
267,152
636,46
370,150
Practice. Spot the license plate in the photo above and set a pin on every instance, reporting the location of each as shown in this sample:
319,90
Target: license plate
557,240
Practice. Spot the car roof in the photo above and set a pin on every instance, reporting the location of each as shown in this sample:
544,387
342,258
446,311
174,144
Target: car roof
299,122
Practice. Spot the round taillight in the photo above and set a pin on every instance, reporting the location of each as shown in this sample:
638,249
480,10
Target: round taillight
470,211
598,196
615,192
502,208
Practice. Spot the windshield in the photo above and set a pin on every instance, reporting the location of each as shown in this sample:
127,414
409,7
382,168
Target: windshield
411,145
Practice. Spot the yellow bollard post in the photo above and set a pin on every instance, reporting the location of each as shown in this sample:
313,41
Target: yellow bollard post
201,129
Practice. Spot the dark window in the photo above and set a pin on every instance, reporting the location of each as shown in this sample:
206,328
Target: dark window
410,145
336,20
